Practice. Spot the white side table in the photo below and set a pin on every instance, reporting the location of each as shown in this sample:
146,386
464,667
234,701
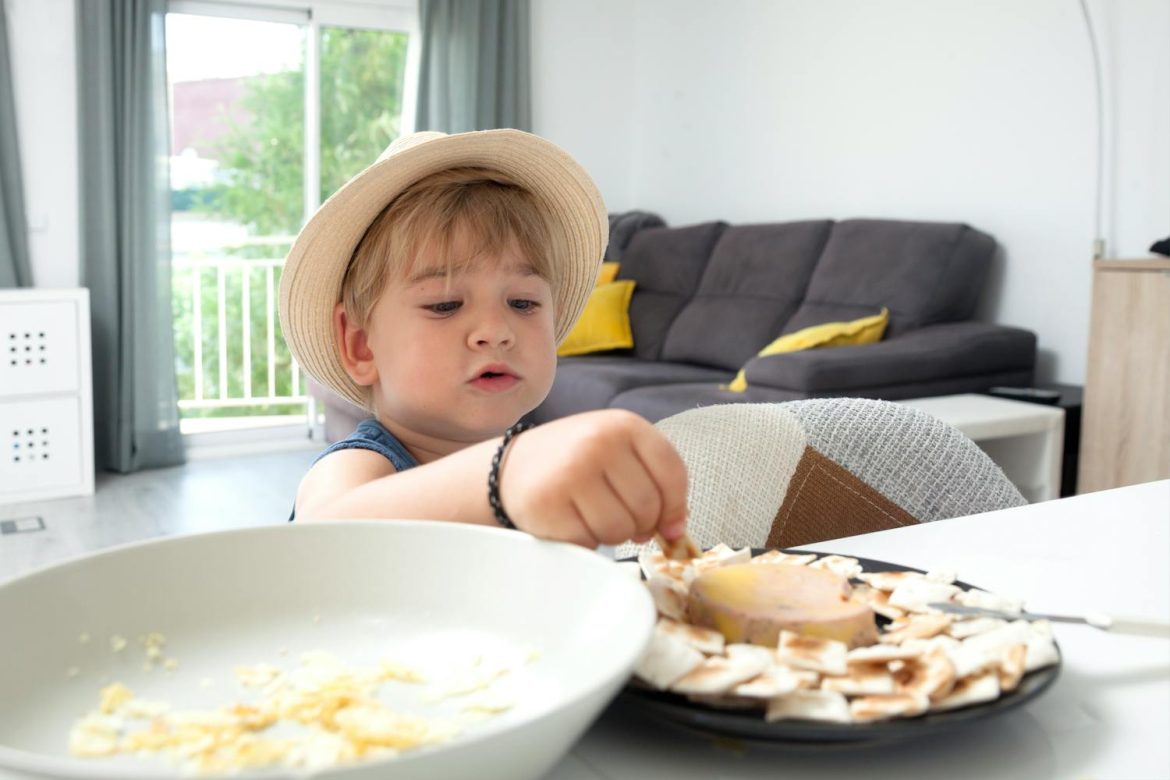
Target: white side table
46,395
1024,439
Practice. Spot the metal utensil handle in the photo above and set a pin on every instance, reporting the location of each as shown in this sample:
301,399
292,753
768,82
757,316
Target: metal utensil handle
1154,628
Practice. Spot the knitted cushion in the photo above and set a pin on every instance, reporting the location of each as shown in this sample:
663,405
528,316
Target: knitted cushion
800,472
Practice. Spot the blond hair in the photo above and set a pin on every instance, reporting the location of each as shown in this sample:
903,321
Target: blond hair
490,208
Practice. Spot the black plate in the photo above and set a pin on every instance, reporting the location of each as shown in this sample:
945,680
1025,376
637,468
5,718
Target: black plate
749,725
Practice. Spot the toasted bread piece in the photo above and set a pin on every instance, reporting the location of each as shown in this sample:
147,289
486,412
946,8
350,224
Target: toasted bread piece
719,674
862,680
1041,646
1011,666
931,675
827,656
776,681
847,567
973,689
962,629
915,627
792,559
915,595
809,705
670,596
666,659
882,654
868,709
704,640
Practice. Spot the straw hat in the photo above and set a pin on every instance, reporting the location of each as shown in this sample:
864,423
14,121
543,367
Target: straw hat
310,285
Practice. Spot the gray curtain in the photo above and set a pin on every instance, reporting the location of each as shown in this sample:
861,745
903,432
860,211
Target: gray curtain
125,220
14,264
475,69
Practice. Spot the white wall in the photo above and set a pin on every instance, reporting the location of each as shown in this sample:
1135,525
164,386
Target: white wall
41,43
771,110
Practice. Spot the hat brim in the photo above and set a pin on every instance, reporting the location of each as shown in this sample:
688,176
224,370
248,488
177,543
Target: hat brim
310,284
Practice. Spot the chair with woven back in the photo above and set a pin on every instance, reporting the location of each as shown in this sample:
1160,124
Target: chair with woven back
788,474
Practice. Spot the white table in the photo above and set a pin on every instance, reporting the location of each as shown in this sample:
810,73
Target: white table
1107,715
1026,440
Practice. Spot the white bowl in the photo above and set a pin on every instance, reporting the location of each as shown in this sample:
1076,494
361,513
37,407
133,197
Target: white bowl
360,590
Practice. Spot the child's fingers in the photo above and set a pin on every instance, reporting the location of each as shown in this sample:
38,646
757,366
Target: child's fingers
669,473
573,528
606,515
635,487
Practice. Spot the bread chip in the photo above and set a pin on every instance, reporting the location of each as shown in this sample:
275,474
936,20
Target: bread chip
1041,647
889,580
973,689
868,709
983,651
882,654
653,563
792,559
776,681
1011,666
682,549
913,595
809,705
877,600
962,629
985,600
666,659
915,627
719,674
670,596
705,640
862,680
932,675
826,656
847,567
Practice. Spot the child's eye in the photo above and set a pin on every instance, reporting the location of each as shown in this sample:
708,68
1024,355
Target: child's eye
445,307
522,304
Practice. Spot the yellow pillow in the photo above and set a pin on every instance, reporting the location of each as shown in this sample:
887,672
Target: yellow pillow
866,330
605,322
608,273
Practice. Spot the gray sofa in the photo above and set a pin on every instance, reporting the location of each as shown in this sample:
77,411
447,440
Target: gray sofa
710,296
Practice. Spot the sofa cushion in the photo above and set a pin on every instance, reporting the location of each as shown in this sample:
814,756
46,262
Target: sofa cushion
661,401
924,272
667,263
605,322
591,382
753,283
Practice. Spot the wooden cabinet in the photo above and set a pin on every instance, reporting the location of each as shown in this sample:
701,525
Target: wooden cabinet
1125,437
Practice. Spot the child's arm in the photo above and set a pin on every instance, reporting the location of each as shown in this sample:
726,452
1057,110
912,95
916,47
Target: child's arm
596,478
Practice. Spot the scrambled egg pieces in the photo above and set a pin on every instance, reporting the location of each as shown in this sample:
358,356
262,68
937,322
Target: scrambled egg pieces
332,707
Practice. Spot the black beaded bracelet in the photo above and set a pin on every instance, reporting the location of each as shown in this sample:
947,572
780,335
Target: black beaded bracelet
494,476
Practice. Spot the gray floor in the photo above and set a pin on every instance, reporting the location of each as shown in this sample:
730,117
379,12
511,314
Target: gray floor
206,495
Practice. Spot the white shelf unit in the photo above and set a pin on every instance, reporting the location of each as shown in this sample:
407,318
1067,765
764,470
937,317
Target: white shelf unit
46,395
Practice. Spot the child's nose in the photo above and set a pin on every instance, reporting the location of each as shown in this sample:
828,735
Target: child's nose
492,330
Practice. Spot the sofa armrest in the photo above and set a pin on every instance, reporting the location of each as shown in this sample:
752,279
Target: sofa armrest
945,351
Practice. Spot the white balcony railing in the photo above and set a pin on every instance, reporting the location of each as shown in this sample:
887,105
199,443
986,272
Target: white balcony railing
223,394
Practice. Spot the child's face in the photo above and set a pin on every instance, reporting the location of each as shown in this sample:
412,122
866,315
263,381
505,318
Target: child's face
462,357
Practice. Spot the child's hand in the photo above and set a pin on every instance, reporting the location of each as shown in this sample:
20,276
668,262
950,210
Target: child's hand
596,478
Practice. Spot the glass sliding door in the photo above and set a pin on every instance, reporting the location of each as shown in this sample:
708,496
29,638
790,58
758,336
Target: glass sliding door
271,112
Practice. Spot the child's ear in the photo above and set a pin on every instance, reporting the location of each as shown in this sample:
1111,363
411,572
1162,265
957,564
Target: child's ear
353,348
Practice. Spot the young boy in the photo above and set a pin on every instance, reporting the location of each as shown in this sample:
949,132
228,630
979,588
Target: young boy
432,290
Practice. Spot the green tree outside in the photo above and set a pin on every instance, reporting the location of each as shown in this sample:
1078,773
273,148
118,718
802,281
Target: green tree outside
261,164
